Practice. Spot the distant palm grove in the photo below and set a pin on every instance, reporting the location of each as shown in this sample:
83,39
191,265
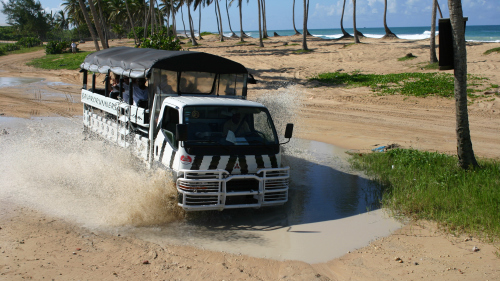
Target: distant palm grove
101,20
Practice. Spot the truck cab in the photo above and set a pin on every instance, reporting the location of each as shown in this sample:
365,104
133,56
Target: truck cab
222,150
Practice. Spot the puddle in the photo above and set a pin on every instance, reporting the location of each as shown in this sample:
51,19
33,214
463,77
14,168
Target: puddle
15,81
331,210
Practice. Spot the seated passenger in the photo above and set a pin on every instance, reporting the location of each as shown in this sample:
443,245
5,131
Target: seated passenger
139,88
164,87
238,126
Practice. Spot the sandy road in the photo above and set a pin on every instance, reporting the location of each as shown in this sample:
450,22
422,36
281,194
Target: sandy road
36,246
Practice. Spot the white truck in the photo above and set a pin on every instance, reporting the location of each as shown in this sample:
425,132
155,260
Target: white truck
193,120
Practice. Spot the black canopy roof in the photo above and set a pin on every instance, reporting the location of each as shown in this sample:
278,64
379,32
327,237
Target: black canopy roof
138,62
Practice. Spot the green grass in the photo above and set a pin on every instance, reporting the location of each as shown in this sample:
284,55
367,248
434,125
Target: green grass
204,33
61,61
427,185
430,66
494,86
405,58
494,50
409,84
27,50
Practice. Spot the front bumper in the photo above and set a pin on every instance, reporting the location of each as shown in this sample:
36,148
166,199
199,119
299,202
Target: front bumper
217,189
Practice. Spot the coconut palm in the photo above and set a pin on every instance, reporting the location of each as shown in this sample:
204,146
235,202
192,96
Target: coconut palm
97,23
304,30
293,17
433,58
345,33
466,157
136,39
61,21
191,24
242,33
261,44
356,37
264,20
229,21
388,32
89,24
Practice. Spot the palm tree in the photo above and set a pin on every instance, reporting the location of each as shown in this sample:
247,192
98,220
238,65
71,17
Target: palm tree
61,21
388,32
304,30
261,44
183,24
293,17
97,23
345,34
229,21
89,24
191,28
136,39
466,157
264,21
217,11
433,58
356,37
242,33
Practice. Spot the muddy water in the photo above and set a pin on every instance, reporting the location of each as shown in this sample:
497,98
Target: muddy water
46,165
15,81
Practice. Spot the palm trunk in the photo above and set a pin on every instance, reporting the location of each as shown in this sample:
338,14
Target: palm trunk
220,21
304,31
388,32
173,18
356,37
89,24
97,24
264,21
345,34
229,21
183,24
293,17
106,29
261,44
433,58
439,9
465,153
136,40
191,28
199,25
241,22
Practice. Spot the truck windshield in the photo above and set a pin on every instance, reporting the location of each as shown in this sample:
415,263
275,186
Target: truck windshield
229,125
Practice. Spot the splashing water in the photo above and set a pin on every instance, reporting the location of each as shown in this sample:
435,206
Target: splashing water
47,165
285,106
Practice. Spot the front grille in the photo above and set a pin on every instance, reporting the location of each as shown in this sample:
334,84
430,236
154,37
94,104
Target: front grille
241,200
242,185
198,200
198,186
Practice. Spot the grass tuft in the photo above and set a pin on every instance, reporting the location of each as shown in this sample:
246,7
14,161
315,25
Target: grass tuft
60,61
431,66
430,185
494,50
409,84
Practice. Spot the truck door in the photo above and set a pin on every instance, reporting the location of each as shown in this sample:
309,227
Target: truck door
165,145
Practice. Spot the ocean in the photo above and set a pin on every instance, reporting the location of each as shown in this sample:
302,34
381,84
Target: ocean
473,33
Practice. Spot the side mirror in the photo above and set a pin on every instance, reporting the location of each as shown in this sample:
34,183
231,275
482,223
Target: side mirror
289,130
251,79
181,133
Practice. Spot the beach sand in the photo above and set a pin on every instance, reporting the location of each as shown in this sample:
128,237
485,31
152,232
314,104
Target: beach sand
37,246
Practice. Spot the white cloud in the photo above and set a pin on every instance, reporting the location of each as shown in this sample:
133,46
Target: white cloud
392,6
322,9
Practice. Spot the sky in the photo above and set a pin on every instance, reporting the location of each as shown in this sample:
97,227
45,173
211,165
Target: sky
325,14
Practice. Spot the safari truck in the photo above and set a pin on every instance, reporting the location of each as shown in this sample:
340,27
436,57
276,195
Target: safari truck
192,119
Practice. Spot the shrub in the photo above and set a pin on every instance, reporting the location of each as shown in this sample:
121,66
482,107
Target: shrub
29,42
161,42
55,47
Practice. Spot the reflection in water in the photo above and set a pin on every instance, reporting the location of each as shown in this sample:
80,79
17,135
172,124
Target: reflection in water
14,81
321,189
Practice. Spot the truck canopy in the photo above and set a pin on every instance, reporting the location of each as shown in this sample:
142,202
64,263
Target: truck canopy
138,62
